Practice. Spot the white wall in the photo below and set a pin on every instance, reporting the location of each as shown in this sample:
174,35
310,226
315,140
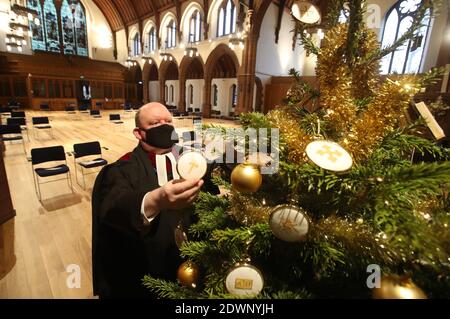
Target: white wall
122,48
176,92
100,39
281,56
198,86
223,96
153,91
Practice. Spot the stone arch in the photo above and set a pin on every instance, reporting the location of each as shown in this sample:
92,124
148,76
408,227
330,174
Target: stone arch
168,70
222,58
190,68
149,73
134,85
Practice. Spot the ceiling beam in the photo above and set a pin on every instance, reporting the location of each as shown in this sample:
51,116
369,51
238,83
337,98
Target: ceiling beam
120,15
133,6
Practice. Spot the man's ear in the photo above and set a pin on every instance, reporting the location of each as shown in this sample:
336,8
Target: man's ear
137,134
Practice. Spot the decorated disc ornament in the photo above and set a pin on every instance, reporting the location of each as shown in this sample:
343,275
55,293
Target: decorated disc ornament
392,287
246,178
191,165
244,280
305,12
188,274
329,156
289,223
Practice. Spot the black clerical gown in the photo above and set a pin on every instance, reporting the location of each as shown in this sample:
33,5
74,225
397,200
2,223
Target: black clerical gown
123,248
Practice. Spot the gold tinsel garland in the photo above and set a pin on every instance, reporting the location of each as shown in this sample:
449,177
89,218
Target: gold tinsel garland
291,134
247,210
365,74
384,112
335,80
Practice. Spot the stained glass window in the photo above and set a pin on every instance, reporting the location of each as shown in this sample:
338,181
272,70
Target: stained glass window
45,33
51,26
407,58
68,30
37,29
80,31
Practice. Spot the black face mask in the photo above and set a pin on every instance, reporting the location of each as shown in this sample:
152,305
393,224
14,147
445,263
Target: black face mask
162,136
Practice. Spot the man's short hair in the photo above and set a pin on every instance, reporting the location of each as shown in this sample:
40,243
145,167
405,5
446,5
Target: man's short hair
137,118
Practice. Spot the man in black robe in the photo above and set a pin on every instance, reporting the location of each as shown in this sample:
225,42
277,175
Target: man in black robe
134,218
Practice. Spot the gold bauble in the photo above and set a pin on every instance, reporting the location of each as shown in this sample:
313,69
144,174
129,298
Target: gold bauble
246,178
188,274
398,288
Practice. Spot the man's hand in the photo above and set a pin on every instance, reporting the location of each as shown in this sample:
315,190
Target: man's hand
176,194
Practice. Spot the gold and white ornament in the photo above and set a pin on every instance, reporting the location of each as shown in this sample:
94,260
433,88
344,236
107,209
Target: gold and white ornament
305,12
244,280
289,223
192,165
329,156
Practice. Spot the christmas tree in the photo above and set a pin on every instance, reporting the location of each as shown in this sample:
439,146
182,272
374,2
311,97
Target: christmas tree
350,196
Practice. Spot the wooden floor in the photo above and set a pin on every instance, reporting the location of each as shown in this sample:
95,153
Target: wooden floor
51,236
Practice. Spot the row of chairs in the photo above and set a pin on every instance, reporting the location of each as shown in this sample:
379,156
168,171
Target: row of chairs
12,131
57,154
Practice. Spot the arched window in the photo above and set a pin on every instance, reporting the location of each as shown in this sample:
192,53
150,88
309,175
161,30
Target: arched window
215,94
45,33
171,37
407,58
151,38
37,29
227,18
136,44
171,94
81,31
233,95
195,27
68,28
51,26
191,94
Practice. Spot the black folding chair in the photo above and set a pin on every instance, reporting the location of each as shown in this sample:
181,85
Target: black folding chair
41,123
17,114
115,120
44,107
19,121
49,154
5,112
95,114
83,109
13,132
70,110
82,150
